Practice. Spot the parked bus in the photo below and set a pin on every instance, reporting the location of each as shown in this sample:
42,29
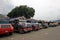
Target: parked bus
21,25
5,27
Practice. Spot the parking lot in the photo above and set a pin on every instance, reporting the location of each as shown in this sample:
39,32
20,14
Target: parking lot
44,34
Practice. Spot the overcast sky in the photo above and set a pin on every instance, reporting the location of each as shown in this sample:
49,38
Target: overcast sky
44,9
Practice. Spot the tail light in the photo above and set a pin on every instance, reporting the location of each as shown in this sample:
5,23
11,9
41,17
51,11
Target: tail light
0,26
11,27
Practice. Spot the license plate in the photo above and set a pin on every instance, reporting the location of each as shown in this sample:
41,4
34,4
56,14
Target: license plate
6,31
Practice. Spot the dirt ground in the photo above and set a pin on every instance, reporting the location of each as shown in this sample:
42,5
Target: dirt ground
44,34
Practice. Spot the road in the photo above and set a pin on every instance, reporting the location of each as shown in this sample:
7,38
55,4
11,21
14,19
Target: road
44,34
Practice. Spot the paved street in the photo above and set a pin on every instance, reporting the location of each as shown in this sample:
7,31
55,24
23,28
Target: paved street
44,34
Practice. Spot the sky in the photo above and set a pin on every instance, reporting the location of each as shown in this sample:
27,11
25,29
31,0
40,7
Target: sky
44,9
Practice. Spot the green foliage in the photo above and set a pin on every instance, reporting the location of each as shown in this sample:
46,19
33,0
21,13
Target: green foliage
22,10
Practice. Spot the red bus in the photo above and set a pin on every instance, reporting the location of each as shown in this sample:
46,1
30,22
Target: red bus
5,27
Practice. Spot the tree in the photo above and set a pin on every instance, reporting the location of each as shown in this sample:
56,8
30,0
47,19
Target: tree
22,10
